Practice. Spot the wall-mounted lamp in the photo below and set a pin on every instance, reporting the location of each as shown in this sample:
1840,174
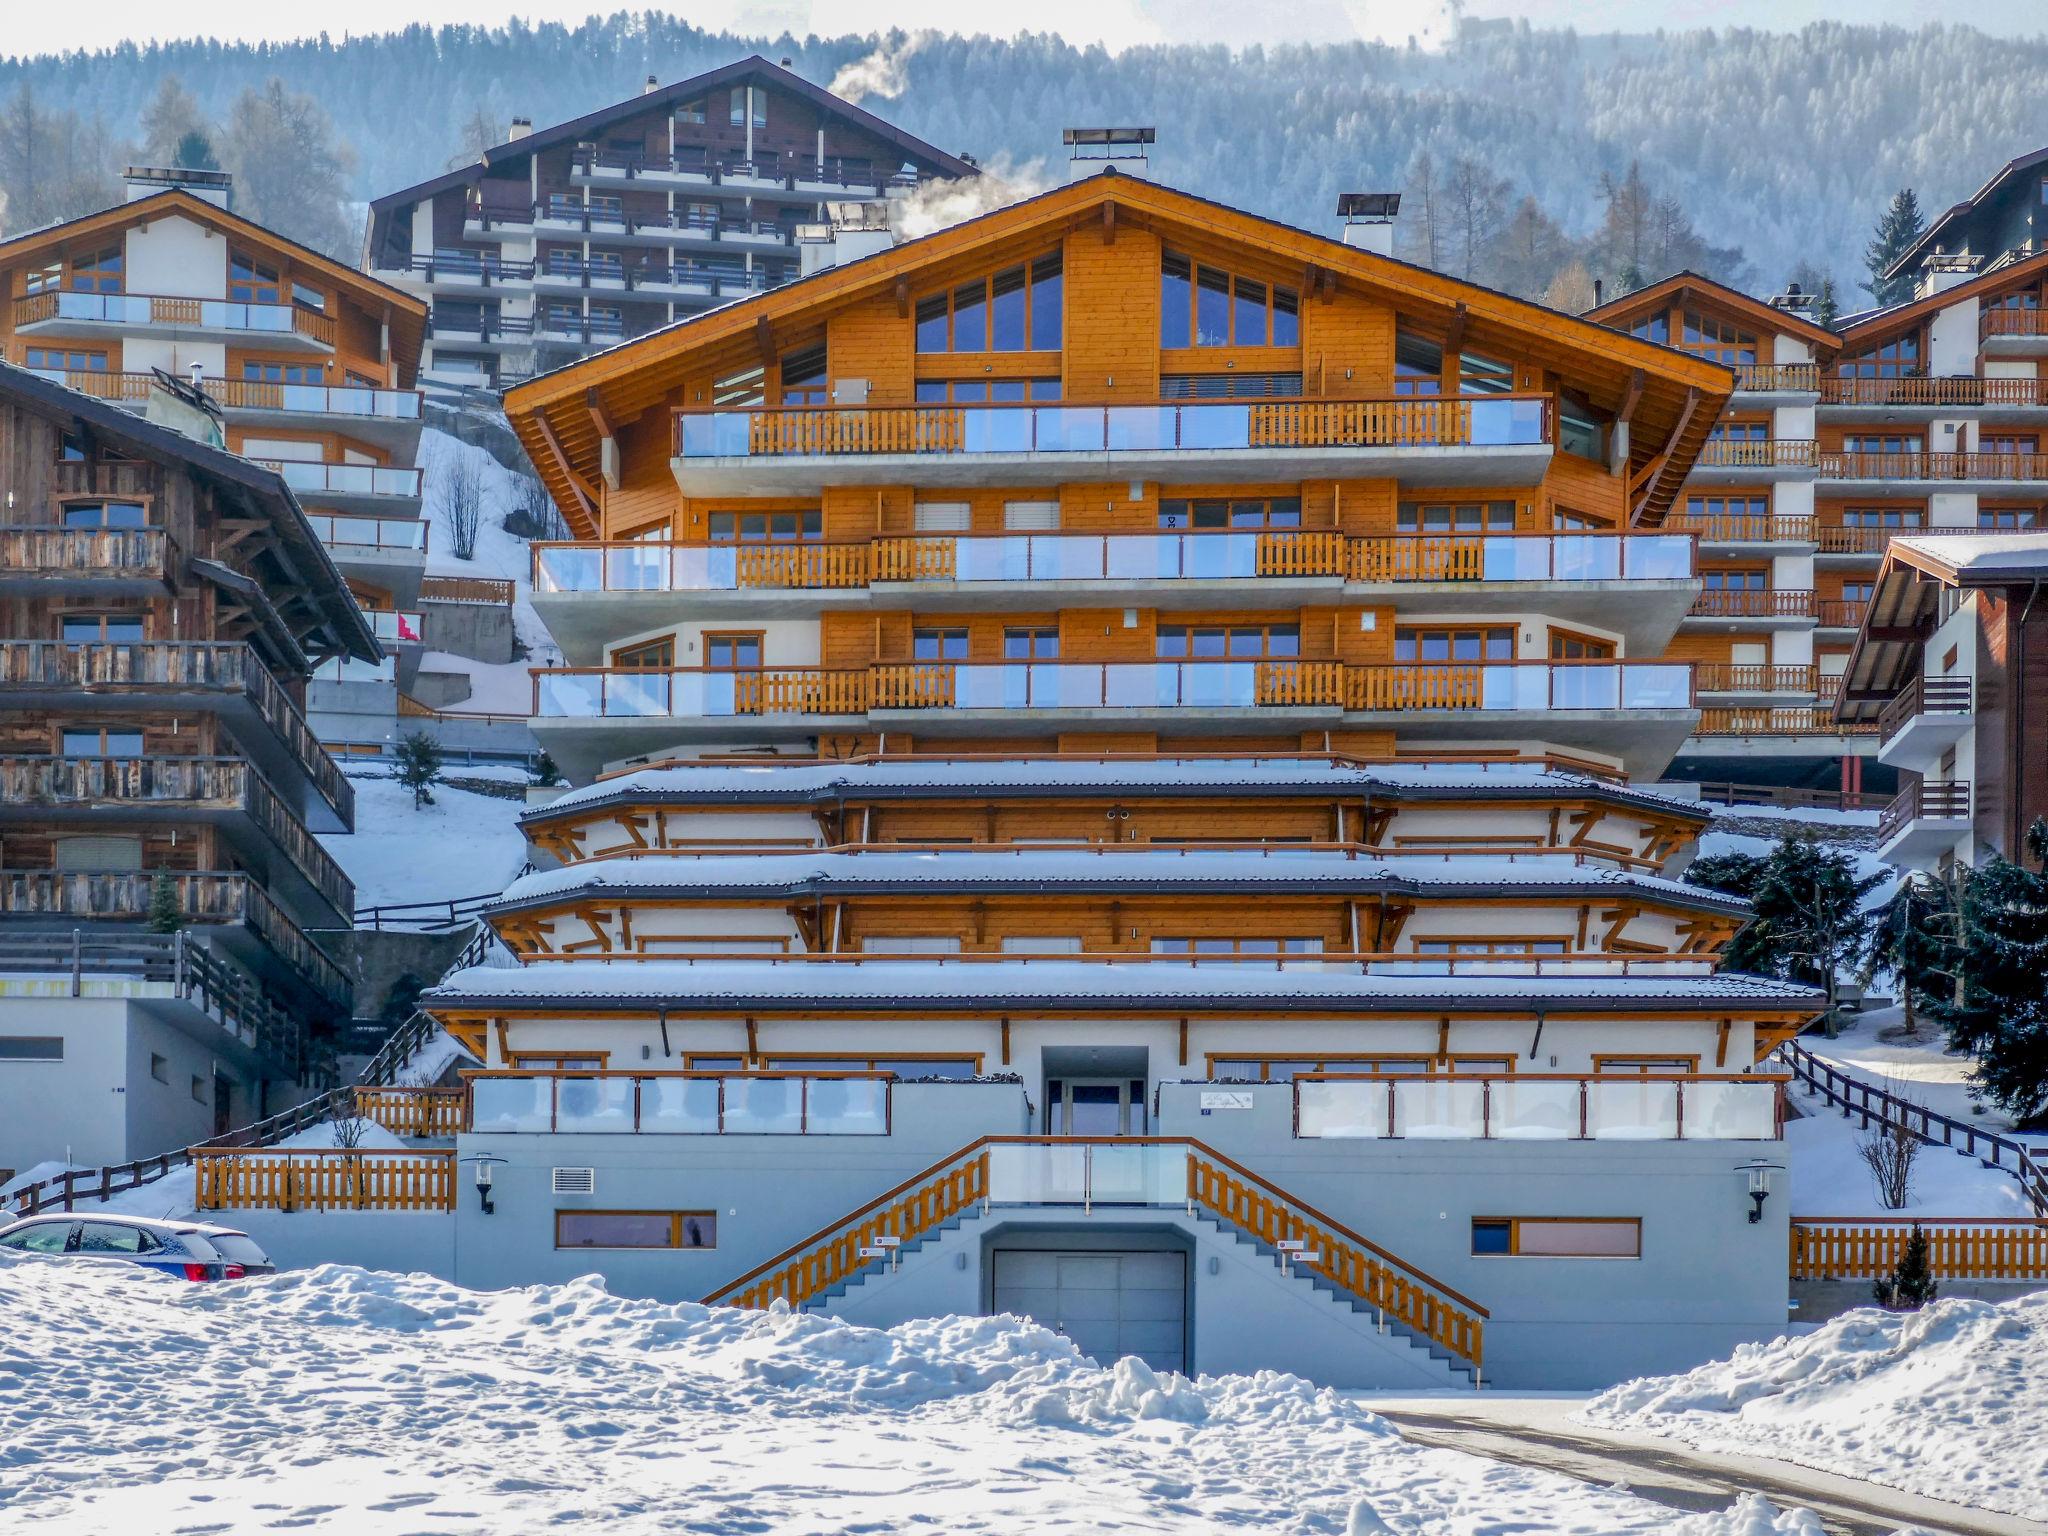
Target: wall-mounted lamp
485,1176
1759,1173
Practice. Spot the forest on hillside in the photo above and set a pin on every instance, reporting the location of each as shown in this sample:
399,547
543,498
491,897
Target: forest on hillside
1534,159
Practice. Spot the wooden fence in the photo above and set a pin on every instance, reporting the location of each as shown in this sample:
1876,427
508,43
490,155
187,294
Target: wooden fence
259,1179
1958,1248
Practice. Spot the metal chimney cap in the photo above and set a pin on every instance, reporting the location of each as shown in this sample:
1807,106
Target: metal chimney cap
1109,135
1368,205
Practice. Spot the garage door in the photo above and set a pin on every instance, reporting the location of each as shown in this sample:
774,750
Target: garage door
1109,1304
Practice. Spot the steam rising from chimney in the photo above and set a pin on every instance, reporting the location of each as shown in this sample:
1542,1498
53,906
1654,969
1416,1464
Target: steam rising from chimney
884,72
937,205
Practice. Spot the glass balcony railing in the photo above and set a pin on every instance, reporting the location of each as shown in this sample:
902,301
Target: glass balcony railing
142,309
680,1104
345,479
1538,1108
387,533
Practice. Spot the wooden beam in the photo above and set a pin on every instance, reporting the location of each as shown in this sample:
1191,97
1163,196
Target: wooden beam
1443,1039
1721,1045
1692,404
1109,223
1006,1039
1632,399
594,403
764,340
903,300
1454,332
1183,1039
584,490
753,1041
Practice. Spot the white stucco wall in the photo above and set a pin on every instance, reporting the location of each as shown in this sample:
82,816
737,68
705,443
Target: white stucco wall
178,258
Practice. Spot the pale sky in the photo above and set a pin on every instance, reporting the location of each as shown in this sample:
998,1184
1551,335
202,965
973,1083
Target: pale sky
1117,24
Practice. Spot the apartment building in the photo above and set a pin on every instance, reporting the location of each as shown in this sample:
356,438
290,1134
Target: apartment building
164,603
308,367
568,239
1105,735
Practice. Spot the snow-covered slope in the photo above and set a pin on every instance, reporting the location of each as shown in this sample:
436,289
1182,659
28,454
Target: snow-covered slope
341,1400
1940,1402
464,844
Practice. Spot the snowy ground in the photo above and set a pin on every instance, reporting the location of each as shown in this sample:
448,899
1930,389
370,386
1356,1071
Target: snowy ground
1923,1070
1830,1178
1940,1402
464,844
342,1400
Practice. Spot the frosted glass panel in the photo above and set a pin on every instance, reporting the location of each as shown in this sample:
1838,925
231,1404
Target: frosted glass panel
1449,1109
1535,1111
1731,1111
846,1106
594,1104
1632,1111
1341,1110
512,1103
1038,1175
679,1105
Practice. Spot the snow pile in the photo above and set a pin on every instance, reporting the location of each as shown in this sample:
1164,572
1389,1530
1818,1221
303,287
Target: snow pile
342,1400
462,845
1936,1402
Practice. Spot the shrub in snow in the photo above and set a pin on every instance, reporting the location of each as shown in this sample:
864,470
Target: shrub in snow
349,1131
419,766
1910,1285
462,494
546,771
1889,1152
166,913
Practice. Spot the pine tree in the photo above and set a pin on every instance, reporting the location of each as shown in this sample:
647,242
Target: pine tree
1910,1286
1917,937
1826,307
1895,231
546,771
419,766
166,912
2001,1013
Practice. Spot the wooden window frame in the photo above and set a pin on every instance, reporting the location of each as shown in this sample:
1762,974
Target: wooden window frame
1490,944
675,1244
1642,1061
1415,632
255,282
1229,629
1599,649
1516,1223
628,657
96,359
1266,1058
949,295
878,1061
758,636
524,1061
101,498
643,943
965,632
1231,278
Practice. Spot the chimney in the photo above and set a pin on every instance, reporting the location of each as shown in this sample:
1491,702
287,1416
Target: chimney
650,87
1599,291
856,230
1942,270
215,187
1369,220
1091,151
785,61
1794,301
521,127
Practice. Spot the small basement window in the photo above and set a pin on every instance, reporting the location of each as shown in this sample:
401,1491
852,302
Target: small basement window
636,1229
31,1047
1557,1237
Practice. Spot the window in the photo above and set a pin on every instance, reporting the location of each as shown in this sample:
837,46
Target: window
1230,386
690,112
941,516
1557,1237
1894,360
766,527
159,1067
1207,642
558,1063
749,107
737,390
983,391
2008,517
1751,580
309,298
1418,365
101,742
1495,946
1286,1069
99,855
198,1090
938,645
1017,310
251,281
908,1069
283,373
1459,517
1655,328
1581,430
2006,442
803,377
66,360
651,653
1248,947
1740,432
1718,339
1883,442
31,1047
1208,307
43,1237
910,944
1646,1064
1037,644
1739,507
104,514
1496,643
42,279
1566,646
734,651
100,272
636,1229
1858,591
1031,516
1260,512
101,628
1883,517
1484,376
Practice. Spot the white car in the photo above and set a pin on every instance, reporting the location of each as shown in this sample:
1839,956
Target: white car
182,1249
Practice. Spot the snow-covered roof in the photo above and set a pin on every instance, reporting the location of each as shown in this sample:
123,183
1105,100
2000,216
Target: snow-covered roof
930,982
1272,869
813,782
1981,555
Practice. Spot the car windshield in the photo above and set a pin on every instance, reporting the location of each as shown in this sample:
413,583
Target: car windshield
238,1248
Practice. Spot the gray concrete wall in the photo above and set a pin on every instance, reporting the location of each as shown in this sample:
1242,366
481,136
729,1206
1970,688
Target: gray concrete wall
441,690
1815,1301
405,1241
482,631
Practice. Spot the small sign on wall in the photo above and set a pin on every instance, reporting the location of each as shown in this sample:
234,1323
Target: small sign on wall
1225,1098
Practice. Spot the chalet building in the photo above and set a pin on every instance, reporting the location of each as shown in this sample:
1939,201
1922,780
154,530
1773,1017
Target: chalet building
1950,668
569,239
1104,737
165,603
311,367
2005,220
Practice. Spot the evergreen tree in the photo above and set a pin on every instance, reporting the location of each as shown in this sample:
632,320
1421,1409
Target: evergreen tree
1917,937
546,771
166,912
194,152
419,766
291,171
2001,1013
1896,230
1910,1286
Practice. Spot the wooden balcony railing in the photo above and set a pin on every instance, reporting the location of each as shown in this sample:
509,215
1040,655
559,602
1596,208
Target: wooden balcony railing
1164,426
1842,465
1925,696
1776,377
1958,1247
253,394
1924,801
1840,613
1741,528
1771,603
1966,389
323,1179
1772,453
226,667
58,554
141,309
415,1112
2013,322
1742,677
1832,540
466,589
1776,720
686,692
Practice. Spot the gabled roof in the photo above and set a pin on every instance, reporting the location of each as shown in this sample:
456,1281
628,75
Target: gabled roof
1683,285
751,70
559,408
1910,257
408,314
1879,324
304,558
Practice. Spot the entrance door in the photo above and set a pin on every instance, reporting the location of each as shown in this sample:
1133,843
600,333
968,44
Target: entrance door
1095,1106
223,1105
1109,1304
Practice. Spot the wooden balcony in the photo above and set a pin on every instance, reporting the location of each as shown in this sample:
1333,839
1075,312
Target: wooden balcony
1776,378
1998,468
358,402
123,788
1777,721
1954,390
1832,540
1840,613
84,313
1772,603
1739,528
2013,322
1953,696
1733,677
159,673
466,589
1923,801
48,558
1772,453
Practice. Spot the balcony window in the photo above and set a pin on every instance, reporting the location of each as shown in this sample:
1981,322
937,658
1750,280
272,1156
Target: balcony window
1264,512
1016,310
102,628
738,390
66,360
104,514
1284,1070
1740,507
1896,359
938,645
1034,644
1721,340
1208,307
1221,642
1567,646
1883,517
803,377
1495,643
251,281
652,654
101,272
1484,375
1210,945
2008,517
1740,432
1230,386
100,741
309,298
733,651
283,373
2008,443
1500,946
1460,517
44,278
1883,442
1581,430
1735,581
690,112
749,107
766,527
99,855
